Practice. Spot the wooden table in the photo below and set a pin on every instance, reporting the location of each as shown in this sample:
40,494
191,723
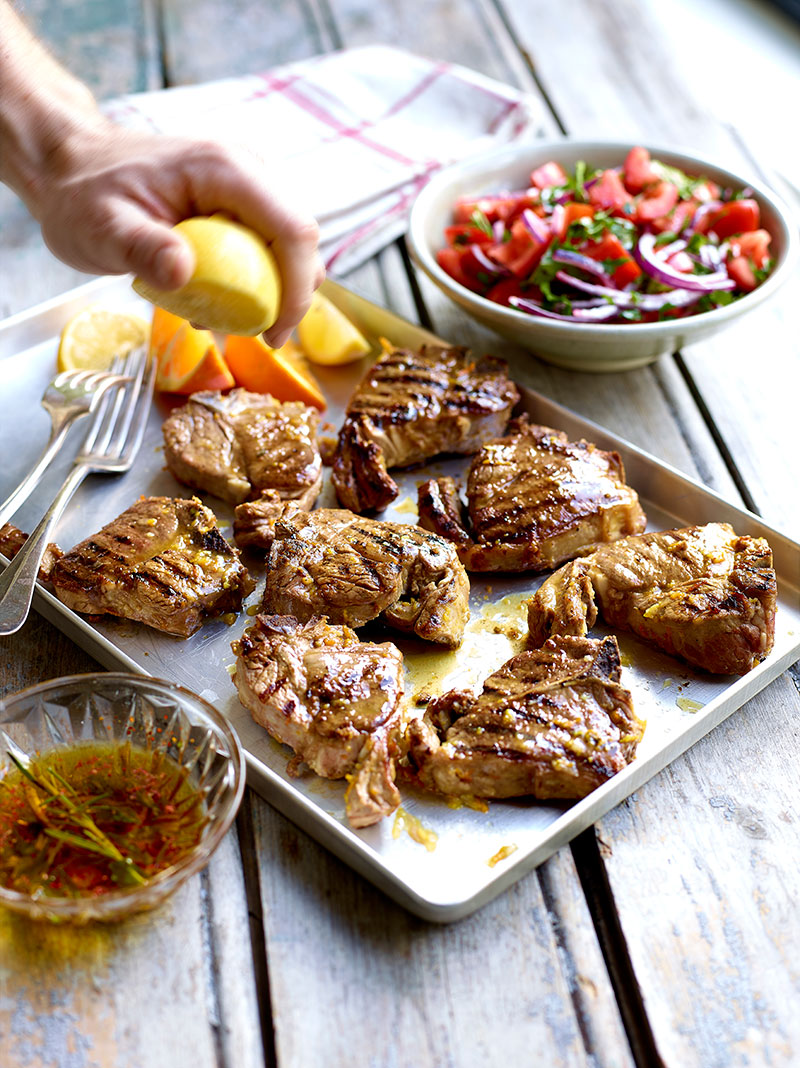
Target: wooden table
669,930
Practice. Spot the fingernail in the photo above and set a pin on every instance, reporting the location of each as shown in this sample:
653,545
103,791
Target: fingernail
164,266
276,340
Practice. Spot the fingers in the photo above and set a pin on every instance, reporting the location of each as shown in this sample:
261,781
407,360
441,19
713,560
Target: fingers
149,249
237,182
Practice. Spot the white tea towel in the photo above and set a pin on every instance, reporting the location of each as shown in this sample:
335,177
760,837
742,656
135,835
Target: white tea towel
356,133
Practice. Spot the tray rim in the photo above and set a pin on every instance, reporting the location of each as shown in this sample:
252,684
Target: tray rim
36,325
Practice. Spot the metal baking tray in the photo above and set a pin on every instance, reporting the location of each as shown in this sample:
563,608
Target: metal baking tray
439,862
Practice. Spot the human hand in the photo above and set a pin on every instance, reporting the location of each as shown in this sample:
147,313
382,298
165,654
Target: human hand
108,205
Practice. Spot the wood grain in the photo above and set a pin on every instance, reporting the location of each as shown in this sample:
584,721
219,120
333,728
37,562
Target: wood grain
708,957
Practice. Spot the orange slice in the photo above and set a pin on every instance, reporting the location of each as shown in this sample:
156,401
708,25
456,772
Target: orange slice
280,372
192,362
162,330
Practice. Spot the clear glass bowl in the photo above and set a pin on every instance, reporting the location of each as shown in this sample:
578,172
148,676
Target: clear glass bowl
148,713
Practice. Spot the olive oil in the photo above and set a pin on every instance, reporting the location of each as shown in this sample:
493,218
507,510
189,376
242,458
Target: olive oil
94,818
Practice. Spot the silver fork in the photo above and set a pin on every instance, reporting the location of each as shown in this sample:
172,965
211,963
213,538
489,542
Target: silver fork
110,447
69,397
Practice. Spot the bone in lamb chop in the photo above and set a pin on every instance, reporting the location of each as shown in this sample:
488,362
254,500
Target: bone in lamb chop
702,593
162,562
551,723
535,499
337,701
352,569
412,406
239,445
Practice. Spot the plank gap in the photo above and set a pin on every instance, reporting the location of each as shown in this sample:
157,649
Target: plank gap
413,282
211,966
258,941
531,66
716,435
600,902
161,43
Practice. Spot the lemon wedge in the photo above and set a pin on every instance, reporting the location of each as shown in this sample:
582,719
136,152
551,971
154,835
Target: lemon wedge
235,287
327,336
94,337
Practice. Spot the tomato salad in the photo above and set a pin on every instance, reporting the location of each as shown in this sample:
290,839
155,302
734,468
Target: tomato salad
638,243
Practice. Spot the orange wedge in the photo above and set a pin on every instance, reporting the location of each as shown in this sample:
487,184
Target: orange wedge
162,330
280,372
192,362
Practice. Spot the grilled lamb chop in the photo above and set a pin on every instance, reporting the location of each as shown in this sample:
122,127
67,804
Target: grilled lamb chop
702,593
535,499
412,406
162,562
11,541
551,723
352,569
337,701
237,445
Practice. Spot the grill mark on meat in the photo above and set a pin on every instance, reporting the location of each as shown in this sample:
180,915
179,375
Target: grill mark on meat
338,702
174,569
535,499
411,406
683,590
554,722
354,569
239,444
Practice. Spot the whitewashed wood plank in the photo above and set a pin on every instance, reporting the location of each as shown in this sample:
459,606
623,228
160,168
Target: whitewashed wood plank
356,980
713,967
134,993
707,892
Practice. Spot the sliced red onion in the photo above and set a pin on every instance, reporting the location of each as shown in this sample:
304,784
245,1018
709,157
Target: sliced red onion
498,230
709,256
665,251
595,314
536,226
586,263
627,299
649,261
488,265
704,209
557,219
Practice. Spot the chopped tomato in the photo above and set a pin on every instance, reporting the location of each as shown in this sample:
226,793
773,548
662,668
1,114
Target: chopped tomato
503,208
522,252
451,261
706,191
657,200
677,219
735,217
573,212
638,171
608,192
548,174
611,248
754,245
508,287
465,234
742,273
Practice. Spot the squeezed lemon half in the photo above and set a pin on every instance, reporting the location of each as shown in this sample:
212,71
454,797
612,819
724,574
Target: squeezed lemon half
236,285
94,337
327,336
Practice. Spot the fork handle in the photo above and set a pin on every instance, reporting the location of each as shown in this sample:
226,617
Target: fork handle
17,498
18,580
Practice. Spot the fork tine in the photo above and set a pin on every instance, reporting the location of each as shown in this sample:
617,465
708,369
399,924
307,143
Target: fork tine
109,424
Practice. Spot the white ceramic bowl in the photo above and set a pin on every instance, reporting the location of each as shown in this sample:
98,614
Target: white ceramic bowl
586,346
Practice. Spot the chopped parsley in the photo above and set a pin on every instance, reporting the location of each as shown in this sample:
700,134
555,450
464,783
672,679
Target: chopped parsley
687,186
594,228
479,219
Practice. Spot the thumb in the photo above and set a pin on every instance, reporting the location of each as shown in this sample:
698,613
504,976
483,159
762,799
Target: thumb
157,255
